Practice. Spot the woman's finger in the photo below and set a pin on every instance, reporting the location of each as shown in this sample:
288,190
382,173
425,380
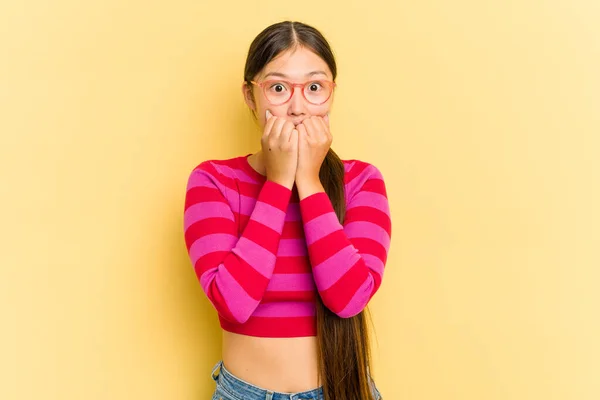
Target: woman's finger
310,127
277,127
319,131
323,124
301,130
286,130
269,125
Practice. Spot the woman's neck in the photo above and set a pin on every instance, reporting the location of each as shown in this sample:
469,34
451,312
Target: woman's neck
256,162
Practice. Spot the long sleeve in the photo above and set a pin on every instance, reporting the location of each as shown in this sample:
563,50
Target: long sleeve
233,269
348,260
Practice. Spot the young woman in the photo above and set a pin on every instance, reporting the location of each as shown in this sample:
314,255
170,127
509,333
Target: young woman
289,243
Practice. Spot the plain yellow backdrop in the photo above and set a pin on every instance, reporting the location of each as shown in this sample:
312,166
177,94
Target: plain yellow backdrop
483,117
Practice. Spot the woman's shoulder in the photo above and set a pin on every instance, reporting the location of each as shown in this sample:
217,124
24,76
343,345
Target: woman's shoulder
361,175
360,169
221,171
218,163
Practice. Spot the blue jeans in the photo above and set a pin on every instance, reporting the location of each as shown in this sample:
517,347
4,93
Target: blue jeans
230,387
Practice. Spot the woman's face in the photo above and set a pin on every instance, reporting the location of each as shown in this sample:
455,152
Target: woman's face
297,66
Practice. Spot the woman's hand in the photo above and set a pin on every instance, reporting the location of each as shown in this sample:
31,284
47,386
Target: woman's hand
314,140
279,143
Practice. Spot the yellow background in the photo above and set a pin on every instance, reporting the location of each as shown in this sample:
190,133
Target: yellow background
483,117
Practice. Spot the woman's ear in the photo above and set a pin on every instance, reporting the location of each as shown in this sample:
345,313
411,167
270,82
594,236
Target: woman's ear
248,96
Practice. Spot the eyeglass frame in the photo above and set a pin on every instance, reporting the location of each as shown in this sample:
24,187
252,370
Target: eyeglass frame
293,86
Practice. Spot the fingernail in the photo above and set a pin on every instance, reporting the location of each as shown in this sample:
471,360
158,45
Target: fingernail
268,113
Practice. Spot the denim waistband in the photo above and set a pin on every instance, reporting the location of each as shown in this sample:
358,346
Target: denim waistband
239,389
242,390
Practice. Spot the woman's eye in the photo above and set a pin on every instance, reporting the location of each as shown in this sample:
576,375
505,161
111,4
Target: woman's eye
314,86
278,87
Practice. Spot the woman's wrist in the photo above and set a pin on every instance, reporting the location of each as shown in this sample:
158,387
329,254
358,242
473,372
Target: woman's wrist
308,186
283,182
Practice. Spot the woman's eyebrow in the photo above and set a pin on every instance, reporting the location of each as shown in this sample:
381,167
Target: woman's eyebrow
285,76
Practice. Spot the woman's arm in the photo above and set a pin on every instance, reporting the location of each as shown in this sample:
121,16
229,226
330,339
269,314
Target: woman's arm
233,271
348,260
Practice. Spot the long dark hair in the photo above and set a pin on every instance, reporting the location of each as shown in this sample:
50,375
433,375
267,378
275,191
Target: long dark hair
343,343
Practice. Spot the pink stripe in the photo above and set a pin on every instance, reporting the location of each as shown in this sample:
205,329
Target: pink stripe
199,178
374,263
369,172
292,248
231,195
204,179
359,300
209,209
291,282
268,215
348,165
232,173
285,309
236,199
238,301
366,229
211,243
370,199
355,184
321,226
248,204
242,176
257,256
331,270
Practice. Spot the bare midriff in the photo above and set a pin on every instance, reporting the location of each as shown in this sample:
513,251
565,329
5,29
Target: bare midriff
287,365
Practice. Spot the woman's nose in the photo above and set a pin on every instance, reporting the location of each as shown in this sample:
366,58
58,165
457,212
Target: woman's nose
297,102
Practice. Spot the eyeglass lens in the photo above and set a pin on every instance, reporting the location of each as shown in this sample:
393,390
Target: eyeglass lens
316,92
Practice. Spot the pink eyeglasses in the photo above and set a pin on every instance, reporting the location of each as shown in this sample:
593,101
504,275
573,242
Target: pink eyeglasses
278,92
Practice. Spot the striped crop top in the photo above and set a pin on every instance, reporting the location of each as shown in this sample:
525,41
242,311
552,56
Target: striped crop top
262,256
